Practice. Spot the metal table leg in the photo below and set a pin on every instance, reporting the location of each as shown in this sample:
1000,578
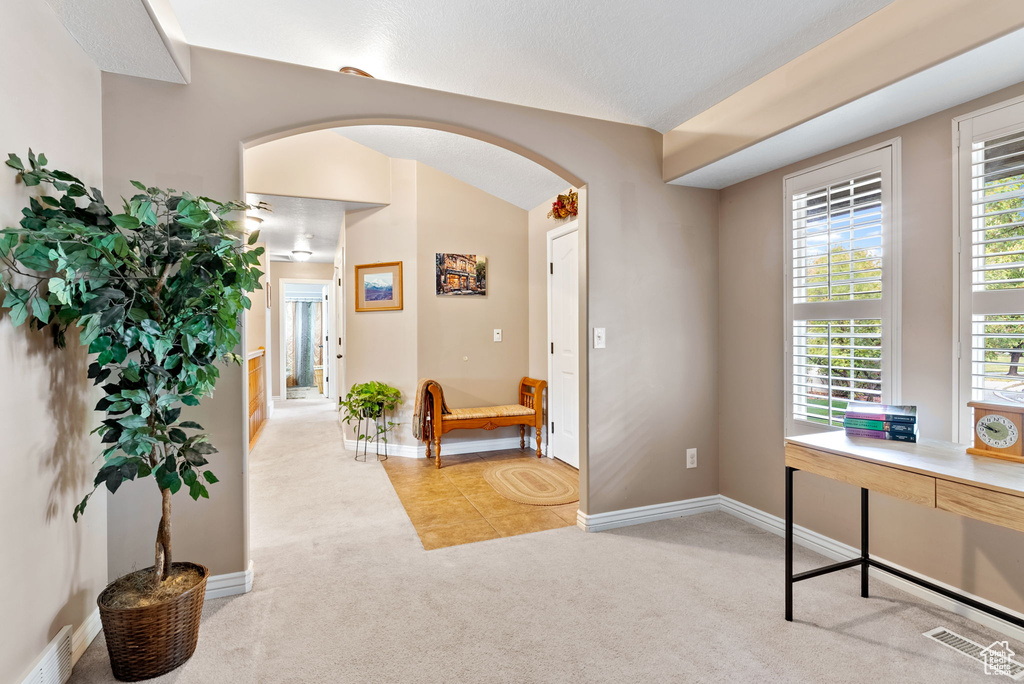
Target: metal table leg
789,543
864,542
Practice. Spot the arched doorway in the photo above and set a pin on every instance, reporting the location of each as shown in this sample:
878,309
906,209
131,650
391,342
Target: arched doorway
294,186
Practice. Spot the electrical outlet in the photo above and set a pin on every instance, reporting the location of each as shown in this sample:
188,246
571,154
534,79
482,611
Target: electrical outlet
497,334
691,458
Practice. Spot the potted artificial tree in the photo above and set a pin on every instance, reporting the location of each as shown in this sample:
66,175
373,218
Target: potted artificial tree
155,293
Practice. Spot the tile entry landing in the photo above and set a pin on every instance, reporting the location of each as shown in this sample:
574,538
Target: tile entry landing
455,505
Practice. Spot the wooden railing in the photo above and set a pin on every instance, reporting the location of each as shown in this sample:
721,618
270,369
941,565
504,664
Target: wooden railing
257,394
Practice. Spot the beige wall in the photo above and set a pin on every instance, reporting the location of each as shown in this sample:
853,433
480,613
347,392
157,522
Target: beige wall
657,240
333,168
456,334
980,558
52,569
286,270
382,345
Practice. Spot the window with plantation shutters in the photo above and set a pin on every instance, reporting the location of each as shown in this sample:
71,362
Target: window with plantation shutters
990,197
841,255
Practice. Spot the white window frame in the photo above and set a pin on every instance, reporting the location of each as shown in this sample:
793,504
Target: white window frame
982,124
855,164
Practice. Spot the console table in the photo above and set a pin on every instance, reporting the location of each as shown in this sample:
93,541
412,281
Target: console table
930,473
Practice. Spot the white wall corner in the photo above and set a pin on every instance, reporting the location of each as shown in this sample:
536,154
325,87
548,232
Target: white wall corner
230,584
599,522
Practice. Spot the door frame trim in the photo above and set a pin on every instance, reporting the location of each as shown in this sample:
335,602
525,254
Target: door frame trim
549,237
331,305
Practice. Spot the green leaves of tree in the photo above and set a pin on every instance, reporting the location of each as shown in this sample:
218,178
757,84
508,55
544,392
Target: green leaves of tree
155,291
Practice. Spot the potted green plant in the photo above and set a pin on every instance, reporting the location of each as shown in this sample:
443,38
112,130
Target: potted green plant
370,403
155,292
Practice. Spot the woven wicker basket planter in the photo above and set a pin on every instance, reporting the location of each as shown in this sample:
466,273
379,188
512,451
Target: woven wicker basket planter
148,641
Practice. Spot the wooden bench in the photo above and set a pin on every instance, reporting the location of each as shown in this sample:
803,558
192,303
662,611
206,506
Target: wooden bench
529,412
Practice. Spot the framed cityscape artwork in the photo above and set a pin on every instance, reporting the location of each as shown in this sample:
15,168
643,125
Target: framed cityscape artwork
459,275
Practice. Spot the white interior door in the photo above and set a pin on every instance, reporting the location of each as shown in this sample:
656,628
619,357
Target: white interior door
338,360
563,329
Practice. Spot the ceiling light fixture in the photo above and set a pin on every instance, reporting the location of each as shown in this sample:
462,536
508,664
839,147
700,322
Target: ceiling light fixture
355,71
301,255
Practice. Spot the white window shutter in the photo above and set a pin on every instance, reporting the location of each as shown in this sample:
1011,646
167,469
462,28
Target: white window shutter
842,294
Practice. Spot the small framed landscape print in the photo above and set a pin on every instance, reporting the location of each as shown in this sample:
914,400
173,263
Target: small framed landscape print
461,275
379,286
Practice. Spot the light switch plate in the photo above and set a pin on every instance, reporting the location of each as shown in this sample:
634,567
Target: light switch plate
598,338
497,334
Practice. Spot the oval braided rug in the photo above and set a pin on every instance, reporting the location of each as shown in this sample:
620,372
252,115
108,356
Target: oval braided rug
534,483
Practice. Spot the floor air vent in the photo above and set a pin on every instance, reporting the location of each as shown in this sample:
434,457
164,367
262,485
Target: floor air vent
54,666
997,658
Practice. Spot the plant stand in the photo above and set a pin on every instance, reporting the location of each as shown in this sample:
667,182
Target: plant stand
380,424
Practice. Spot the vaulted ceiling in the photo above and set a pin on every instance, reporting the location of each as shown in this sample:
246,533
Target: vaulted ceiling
653,63
493,169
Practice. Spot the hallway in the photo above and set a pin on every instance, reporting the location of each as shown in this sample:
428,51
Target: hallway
344,592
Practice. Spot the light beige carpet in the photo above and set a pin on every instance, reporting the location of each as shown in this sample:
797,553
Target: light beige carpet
344,592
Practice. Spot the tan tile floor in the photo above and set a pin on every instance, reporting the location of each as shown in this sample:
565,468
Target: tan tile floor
455,505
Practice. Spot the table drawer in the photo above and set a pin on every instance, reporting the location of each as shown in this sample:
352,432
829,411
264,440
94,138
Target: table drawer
981,504
902,484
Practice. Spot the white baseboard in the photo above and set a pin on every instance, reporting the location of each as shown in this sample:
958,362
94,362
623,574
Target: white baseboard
84,635
461,447
270,407
599,522
819,543
837,550
229,584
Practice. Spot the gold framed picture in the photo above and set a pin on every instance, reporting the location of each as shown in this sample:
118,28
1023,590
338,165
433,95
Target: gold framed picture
379,286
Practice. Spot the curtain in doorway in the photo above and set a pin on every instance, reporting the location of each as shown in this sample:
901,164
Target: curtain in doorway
304,325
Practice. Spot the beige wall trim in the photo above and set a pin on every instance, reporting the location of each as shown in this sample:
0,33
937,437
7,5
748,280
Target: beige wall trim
836,550
900,40
599,522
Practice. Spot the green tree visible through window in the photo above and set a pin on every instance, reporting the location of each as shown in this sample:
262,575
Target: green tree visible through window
1002,243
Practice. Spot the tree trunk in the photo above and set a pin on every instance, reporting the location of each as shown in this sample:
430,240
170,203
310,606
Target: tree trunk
162,566
1014,361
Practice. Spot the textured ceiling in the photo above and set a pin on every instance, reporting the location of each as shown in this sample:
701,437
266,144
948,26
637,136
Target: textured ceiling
313,225
120,36
654,63
963,78
493,169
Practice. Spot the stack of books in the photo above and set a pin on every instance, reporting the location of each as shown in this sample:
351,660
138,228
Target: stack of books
878,421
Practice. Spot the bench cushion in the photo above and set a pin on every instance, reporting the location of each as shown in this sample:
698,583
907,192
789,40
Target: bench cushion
490,412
